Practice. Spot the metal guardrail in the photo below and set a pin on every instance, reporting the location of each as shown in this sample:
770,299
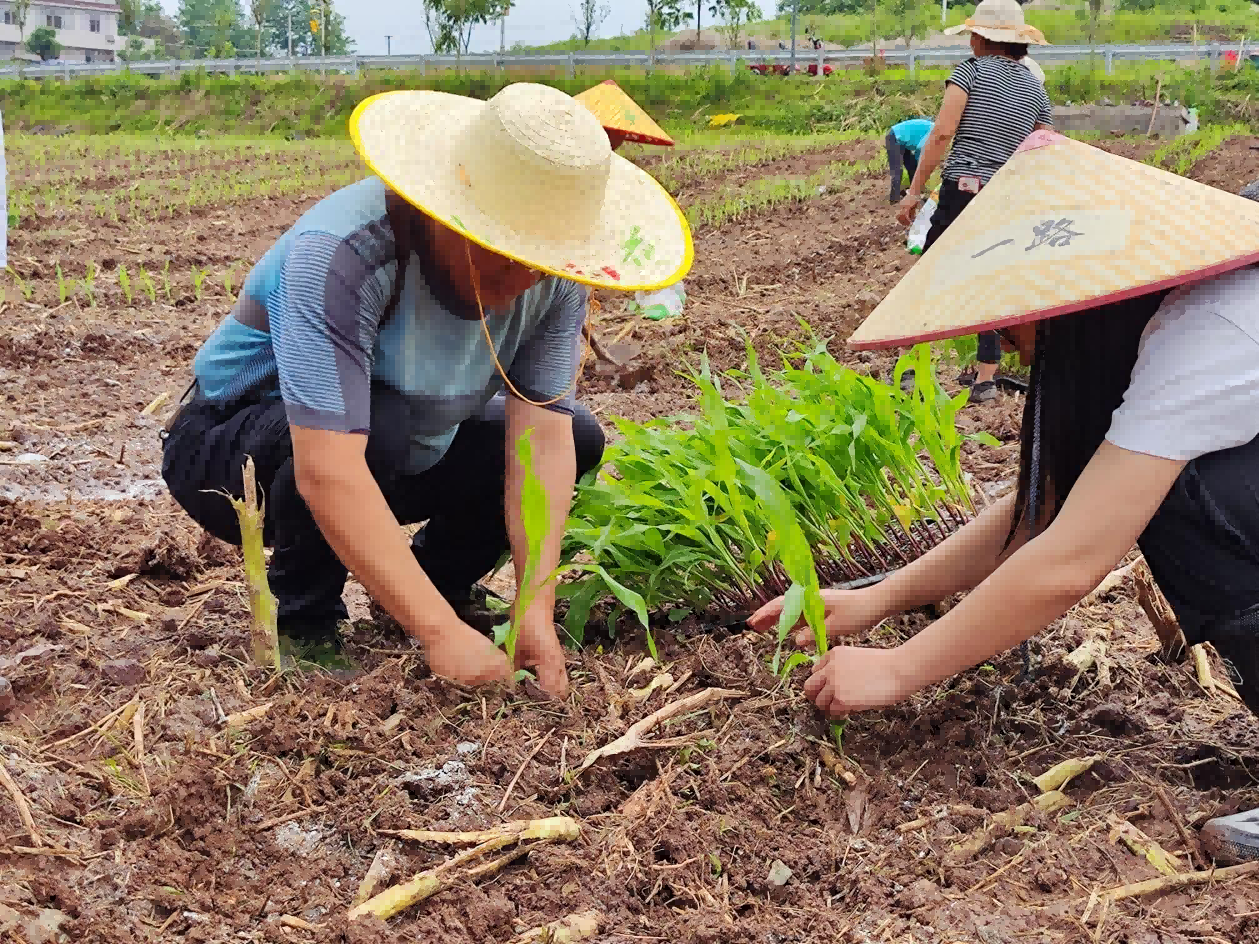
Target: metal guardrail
488,62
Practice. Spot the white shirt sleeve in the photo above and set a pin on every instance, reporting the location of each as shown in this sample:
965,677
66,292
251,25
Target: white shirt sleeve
1195,385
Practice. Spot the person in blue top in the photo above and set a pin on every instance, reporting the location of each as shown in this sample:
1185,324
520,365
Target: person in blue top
904,149
386,355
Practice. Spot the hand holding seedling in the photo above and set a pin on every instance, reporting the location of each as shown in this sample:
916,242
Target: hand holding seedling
853,678
848,612
461,653
538,648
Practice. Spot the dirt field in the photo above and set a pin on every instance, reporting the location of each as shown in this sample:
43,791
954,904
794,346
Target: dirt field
145,817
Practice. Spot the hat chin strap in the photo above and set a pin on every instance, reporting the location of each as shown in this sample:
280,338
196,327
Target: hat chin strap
485,330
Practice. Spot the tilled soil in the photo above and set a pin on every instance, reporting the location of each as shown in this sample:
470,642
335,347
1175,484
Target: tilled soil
124,636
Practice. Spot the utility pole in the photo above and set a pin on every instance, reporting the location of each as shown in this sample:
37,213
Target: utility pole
323,26
944,13
794,5
502,32
290,34
388,45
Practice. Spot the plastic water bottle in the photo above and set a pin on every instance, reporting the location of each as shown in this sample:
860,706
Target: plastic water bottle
663,303
920,227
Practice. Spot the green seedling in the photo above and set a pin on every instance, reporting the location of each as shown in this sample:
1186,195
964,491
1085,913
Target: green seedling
63,286
149,288
89,284
198,276
872,474
536,517
124,281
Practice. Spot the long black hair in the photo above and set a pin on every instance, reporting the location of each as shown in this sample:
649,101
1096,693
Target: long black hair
1081,370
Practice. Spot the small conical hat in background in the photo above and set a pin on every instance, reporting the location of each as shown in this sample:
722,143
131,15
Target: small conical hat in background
1061,227
620,115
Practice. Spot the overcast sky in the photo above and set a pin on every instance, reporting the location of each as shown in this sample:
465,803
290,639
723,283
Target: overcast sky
531,21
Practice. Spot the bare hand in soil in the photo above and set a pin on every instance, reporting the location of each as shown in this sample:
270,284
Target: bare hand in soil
538,648
464,655
851,678
848,612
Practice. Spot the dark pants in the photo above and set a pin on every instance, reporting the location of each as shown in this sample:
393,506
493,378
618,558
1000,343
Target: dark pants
461,497
1202,547
899,156
952,202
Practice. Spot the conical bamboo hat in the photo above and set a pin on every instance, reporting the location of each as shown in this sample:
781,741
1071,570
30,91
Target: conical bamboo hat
1063,226
618,112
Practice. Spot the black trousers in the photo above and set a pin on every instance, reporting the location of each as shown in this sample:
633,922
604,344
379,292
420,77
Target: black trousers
1202,547
952,202
461,497
899,156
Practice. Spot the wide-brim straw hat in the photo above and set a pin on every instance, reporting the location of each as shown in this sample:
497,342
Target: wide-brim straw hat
620,115
1063,226
528,174
1034,67
1002,22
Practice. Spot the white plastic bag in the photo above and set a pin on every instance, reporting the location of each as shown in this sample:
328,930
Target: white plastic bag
661,304
920,227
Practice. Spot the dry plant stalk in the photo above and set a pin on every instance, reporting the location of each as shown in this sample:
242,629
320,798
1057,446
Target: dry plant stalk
567,930
1060,774
428,883
836,766
241,718
1049,802
1202,668
1090,654
551,827
1141,844
381,869
1181,880
633,738
1158,92
1172,640
922,821
1159,614
263,634
156,404
23,808
1195,855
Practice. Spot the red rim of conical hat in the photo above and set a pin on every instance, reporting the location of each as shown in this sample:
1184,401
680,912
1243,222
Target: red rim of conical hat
619,113
1063,227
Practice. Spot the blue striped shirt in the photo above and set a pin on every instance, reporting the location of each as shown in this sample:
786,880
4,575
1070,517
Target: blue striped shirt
309,327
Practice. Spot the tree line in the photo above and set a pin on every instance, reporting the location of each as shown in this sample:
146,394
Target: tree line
228,29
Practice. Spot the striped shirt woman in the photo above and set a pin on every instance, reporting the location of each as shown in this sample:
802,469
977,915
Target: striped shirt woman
992,102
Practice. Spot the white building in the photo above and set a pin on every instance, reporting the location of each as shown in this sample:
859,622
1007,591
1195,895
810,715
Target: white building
87,31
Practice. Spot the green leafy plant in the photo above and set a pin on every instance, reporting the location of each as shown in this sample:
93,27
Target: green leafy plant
124,280
166,280
872,475
804,594
963,353
149,288
198,276
63,286
536,517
